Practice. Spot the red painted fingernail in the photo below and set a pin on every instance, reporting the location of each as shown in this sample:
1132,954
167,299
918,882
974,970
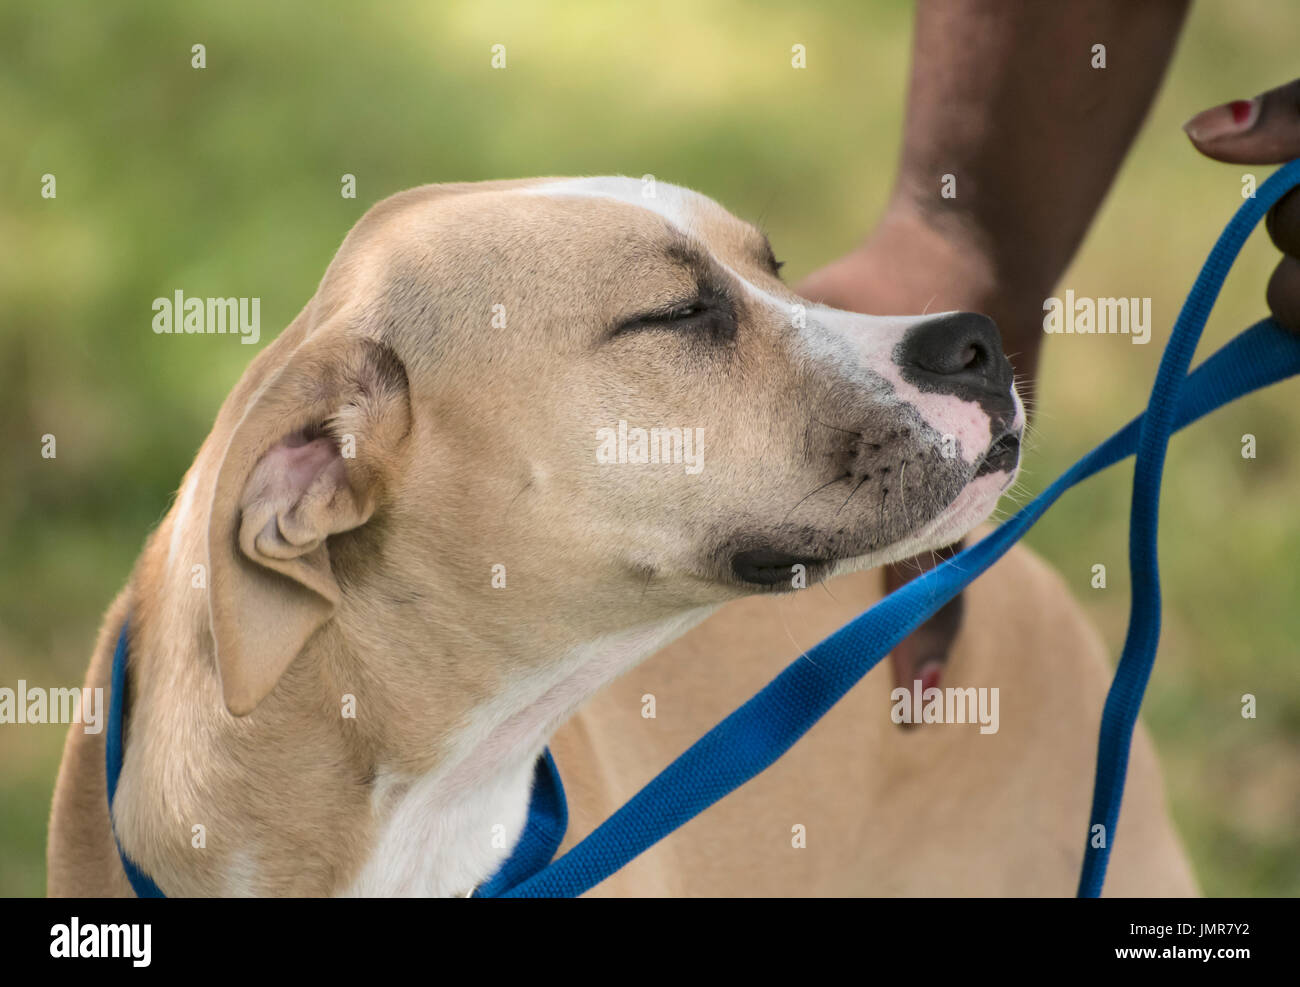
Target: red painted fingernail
1223,121
1242,110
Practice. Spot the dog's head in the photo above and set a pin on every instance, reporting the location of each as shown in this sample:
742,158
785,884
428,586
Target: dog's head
592,395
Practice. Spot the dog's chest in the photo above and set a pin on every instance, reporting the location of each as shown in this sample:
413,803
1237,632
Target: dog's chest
432,845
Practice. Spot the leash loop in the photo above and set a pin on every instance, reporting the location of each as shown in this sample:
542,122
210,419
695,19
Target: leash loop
1124,700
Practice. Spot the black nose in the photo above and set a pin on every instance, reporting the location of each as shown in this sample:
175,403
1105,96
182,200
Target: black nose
959,354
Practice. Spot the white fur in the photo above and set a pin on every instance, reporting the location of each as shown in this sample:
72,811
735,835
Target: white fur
672,202
183,509
436,832
241,875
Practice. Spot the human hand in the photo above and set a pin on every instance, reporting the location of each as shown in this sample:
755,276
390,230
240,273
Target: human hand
1263,130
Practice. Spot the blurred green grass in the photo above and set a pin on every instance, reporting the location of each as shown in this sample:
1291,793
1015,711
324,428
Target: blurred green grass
226,181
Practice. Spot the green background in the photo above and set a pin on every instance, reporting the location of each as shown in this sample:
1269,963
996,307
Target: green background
225,181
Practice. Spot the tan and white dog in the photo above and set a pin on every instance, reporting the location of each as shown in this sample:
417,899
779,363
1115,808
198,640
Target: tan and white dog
429,529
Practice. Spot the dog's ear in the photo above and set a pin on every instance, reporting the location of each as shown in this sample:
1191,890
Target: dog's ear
309,459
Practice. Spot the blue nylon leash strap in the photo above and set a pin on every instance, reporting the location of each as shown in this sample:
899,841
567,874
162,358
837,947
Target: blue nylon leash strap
765,727
1119,716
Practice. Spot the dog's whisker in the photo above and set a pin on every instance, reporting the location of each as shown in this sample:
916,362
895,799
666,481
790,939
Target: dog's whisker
851,493
846,476
785,625
847,431
902,489
822,581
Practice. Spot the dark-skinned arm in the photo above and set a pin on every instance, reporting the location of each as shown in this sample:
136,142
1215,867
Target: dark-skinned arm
1004,96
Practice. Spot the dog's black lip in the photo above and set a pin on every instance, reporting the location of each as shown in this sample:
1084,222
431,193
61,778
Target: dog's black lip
1002,455
769,566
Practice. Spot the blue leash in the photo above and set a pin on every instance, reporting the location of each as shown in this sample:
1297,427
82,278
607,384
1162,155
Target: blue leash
765,727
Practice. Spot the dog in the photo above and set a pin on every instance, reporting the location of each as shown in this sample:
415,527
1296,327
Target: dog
564,461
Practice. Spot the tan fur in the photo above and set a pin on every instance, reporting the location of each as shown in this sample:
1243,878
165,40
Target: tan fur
375,583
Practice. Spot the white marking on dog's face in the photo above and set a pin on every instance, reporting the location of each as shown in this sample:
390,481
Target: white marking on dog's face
680,206
858,359
836,337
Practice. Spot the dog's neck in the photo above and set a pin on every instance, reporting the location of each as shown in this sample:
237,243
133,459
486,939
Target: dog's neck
444,829
378,766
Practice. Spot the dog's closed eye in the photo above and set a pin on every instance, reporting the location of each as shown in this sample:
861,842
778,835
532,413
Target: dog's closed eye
708,313
773,265
676,317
